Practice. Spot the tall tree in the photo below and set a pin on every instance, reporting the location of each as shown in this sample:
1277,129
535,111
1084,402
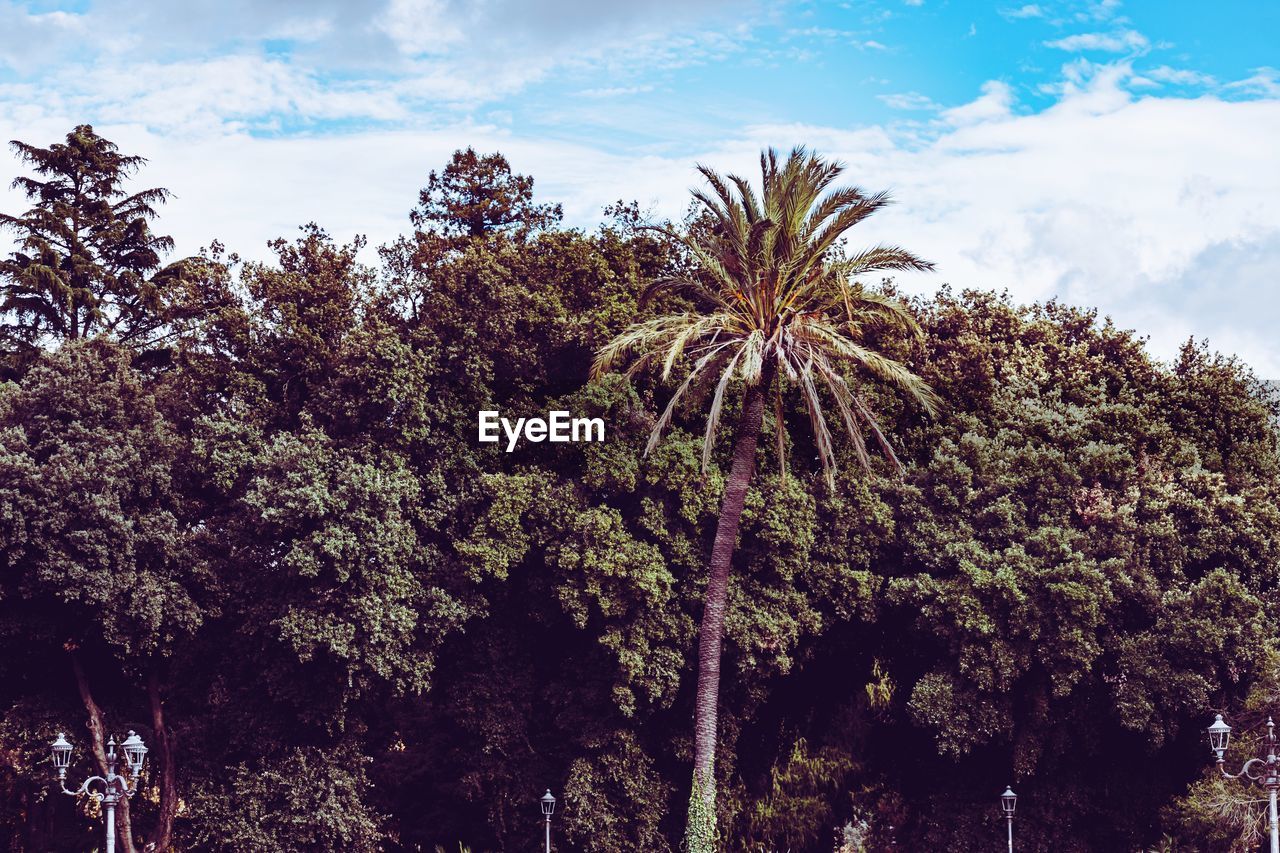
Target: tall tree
479,194
775,299
103,574
86,261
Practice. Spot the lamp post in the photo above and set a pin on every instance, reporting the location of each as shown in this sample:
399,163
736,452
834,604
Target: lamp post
114,786
1267,769
1009,802
548,806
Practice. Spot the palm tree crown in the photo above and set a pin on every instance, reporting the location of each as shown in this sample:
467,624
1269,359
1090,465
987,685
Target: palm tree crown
777,295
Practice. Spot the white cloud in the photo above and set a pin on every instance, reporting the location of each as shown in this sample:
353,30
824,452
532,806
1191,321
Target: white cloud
421,26
1119,41
442,50
1030,10
29,40
1180,76
193,96
1265,81
995,102
615,91
821,33
908,101
1102,10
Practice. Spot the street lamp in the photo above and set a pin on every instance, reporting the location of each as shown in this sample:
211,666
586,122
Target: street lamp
1268,769
113,786
1009,802
548,806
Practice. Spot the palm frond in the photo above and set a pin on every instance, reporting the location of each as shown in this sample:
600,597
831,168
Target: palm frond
874,426
818,421
645,337
753,352
713,415
682,286
843,219
844,403
862,306
665,420
747,196
879,365
883,258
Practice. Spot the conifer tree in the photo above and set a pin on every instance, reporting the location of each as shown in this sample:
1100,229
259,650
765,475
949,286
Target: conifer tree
86,261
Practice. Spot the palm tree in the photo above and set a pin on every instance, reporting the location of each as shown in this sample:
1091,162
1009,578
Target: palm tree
776,299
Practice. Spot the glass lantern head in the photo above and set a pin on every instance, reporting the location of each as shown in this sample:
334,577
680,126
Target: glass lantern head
1219,736
61,750
135,751
548,803
1008,801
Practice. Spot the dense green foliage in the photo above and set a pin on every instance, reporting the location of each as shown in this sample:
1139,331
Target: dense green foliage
371,632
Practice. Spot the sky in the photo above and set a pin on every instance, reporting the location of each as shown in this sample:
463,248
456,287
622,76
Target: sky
1109,153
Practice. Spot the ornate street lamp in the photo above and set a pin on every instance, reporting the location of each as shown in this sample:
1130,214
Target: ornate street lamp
1009,802
113,785
1263,771
548,806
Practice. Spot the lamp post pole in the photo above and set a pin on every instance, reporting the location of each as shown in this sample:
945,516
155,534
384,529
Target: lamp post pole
1008,803
548,806
1263,771
114,786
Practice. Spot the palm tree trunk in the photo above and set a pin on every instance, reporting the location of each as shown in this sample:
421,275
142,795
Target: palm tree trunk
700,831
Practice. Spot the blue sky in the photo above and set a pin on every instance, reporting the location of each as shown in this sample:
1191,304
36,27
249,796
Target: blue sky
1115,154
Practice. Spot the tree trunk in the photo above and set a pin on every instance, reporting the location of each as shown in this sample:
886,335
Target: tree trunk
97,742
700,831
167,775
